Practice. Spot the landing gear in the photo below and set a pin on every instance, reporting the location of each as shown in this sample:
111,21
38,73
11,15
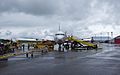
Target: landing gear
59,48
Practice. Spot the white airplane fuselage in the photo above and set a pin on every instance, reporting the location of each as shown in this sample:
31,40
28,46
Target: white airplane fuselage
60,37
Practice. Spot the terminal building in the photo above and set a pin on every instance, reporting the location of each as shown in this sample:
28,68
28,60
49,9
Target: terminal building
104,39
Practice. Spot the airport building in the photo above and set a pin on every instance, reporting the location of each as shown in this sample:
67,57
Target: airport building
117,40
101,38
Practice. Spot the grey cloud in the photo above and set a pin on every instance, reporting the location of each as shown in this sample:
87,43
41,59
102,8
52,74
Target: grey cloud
73,15
74,9
36,7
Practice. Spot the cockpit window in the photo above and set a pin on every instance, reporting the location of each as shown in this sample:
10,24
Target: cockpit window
59,34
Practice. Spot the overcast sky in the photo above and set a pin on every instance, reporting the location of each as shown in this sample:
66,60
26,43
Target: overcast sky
37,18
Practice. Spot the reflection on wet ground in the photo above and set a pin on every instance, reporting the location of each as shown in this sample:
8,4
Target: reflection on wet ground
92,62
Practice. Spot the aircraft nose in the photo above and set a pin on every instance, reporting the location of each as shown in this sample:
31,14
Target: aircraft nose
60,37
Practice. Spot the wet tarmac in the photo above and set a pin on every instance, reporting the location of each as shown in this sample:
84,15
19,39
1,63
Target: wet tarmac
105,61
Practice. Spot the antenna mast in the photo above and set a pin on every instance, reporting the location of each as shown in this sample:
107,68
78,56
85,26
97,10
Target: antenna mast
59,27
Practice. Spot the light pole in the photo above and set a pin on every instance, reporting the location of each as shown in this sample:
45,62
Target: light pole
101,36
108,36
111,37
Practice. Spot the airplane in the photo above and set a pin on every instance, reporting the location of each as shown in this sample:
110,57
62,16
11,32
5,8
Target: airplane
60,38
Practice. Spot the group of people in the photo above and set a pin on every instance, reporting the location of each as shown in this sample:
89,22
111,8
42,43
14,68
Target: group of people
5,48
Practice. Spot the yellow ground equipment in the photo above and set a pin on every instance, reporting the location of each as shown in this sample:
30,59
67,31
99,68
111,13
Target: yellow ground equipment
48,44
88,44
